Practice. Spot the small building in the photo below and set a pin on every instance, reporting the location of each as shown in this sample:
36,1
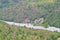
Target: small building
27,20
40,20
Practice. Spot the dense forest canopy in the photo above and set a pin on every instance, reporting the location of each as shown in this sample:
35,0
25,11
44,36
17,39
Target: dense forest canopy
18,10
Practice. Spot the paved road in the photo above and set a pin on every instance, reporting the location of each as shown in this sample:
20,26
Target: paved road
34,27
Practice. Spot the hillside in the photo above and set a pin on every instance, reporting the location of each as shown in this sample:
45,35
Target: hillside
12,32
18,10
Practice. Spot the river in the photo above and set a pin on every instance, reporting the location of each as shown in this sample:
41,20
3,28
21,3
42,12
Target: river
50,28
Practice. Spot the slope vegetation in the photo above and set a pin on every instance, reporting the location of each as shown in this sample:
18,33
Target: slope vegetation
12,32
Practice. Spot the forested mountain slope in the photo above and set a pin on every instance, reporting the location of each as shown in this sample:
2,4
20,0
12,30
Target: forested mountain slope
18,10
